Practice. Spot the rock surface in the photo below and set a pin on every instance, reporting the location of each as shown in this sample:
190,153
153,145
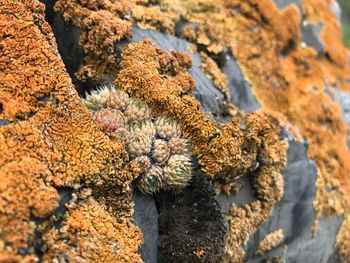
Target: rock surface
190,226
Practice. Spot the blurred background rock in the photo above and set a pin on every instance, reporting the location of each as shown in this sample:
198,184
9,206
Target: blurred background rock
345,5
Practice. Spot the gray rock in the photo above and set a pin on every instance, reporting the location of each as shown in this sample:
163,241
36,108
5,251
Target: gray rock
240,90
284,3
146,218
294,215
311,36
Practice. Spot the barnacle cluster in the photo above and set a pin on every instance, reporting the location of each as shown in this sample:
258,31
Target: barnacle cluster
154,143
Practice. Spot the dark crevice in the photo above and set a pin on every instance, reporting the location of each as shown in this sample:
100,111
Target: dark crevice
53,220
44,98
290,46
49,10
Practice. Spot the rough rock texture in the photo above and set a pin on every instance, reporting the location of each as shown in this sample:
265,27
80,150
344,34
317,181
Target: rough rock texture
272,60
296,217
48,141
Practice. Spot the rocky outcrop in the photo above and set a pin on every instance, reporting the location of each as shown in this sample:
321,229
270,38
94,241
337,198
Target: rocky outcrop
246,80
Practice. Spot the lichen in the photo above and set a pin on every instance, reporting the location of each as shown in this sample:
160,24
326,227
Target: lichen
48,139
102,25
90,234
269,242
225,152
287,77
214,73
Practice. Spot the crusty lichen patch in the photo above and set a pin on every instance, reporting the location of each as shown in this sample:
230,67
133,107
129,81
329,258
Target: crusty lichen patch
49,139
90,234
214,73
269,242
103,23
225,152
286,77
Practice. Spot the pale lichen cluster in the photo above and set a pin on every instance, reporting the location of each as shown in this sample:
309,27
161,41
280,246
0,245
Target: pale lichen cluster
269,242
153,143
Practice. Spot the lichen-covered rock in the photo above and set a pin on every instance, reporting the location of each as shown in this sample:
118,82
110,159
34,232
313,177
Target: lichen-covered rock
97,236
48,142
252,55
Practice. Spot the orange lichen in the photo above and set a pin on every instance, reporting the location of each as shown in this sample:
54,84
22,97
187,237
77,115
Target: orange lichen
343,241
90,234
230,150
286,77
102,24
317,11
225,152
269,242
52,140
214,73
188,32
153,18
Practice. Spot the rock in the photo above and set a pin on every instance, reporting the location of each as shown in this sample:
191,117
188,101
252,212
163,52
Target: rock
240,90
191,226
185,227
146,217
311,36
283,3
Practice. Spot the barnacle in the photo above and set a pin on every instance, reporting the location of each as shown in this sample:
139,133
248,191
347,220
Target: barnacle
122,135
98,98
146,127
117,99
161,151
139,144
109,120
144,163
178,146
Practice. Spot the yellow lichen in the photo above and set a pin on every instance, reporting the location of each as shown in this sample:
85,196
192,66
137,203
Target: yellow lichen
214,73
269,242
102,24
48,138
96,236
225,152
